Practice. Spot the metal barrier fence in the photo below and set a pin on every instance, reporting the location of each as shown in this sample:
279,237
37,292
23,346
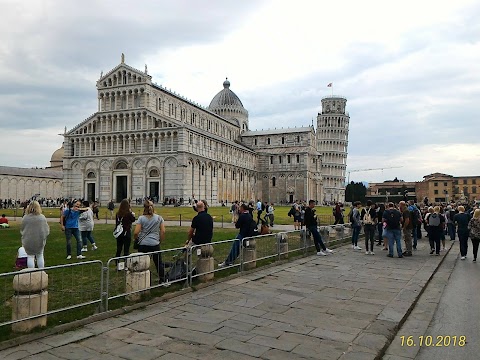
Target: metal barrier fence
72,286
130,276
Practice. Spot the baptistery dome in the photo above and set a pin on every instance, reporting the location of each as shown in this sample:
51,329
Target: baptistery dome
56,161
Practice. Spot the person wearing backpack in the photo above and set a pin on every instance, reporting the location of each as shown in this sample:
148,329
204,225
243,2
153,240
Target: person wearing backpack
461,220
450,214
369,217
392,218
355,219
436,226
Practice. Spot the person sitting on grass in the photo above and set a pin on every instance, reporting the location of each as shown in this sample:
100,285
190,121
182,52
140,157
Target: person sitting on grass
4,222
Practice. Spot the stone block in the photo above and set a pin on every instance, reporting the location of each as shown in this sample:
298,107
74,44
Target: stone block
250,243
249,258
24,306
138,262
136,280
206,251
29,281
205,267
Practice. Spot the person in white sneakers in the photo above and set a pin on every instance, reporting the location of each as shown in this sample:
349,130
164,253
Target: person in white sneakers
311,225
369,218
85,225
356,224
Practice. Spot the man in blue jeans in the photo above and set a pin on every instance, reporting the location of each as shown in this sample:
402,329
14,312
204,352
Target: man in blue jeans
311,225
393,218
246,224
70,217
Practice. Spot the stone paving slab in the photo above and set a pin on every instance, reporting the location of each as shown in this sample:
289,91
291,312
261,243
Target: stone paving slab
344,306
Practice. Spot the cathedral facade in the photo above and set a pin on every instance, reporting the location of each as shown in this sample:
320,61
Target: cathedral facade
145,140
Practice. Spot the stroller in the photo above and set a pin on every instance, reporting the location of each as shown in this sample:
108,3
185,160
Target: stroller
177,269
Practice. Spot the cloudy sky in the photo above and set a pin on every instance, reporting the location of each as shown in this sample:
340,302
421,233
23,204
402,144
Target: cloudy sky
410,70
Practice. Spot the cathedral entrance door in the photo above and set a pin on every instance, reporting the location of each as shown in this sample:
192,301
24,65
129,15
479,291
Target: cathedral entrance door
91,192
154,190
121,188
290,198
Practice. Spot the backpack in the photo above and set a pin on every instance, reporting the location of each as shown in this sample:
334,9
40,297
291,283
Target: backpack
451,214
252,230
367,218
177,271
118,229
291,212
434,220
413,216
350,217
263,207
392,218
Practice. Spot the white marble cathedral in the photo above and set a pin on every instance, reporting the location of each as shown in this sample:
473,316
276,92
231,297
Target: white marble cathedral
145,140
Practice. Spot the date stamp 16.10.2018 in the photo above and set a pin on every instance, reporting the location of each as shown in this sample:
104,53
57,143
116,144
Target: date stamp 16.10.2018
433,341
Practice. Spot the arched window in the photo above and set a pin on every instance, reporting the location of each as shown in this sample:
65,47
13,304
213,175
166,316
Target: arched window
121,165
268,141
154,173
91,175
274,180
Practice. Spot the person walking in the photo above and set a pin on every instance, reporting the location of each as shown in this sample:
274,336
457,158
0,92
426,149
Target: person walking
461,221
392,218
85,225
270,217
311,224
110,207
149,233
34,230
436,226
474,228
380,210
126,217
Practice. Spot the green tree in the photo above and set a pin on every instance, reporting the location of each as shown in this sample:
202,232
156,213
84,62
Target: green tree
355,192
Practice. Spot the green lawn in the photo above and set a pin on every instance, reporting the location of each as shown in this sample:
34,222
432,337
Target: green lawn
185,214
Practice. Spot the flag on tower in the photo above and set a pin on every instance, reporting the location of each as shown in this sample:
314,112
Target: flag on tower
329,85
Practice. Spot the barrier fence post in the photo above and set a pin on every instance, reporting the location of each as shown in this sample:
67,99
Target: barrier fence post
180,219
30,299
222,221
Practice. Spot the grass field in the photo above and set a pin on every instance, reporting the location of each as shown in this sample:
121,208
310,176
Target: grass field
186,213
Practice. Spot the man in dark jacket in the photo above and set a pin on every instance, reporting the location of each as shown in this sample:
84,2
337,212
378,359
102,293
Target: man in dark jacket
311,225
246,224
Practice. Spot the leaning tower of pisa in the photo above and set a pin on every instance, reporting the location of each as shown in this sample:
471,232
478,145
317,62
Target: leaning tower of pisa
332,138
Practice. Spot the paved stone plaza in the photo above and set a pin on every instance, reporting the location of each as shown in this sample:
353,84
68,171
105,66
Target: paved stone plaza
345,306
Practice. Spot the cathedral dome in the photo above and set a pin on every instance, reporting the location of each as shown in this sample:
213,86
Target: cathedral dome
225,98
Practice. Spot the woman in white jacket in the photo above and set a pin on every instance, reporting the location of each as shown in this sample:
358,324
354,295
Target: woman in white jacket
34,230
85,225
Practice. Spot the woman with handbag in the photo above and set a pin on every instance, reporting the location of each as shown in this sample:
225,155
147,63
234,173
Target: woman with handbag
126,217
149,233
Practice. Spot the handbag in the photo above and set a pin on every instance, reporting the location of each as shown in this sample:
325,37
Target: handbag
118,229
136,242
